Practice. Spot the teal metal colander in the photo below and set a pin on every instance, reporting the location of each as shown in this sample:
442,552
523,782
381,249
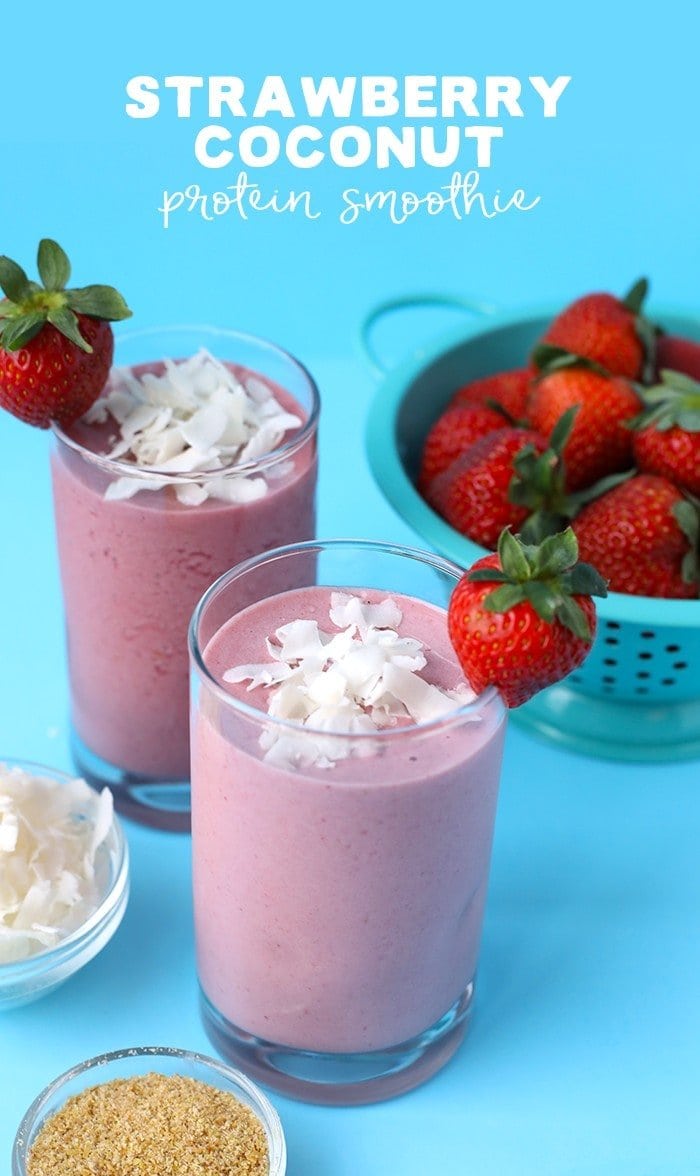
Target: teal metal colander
637,696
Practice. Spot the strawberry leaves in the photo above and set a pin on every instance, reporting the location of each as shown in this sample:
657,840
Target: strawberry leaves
29,306
65,321
634,298
546,575
548,359
53,265
688,518
102,302
14,282
17,332
647,332
538,483
675,401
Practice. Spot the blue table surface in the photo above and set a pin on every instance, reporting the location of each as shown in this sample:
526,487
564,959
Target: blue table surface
583,1055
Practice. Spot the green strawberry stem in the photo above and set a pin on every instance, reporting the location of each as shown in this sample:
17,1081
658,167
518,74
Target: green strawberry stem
687,515
29,306
501,409
675,401
634,298
547,575
539,483
647,331
581,498
549,359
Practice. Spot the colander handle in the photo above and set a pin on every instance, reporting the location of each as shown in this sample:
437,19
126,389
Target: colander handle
408,302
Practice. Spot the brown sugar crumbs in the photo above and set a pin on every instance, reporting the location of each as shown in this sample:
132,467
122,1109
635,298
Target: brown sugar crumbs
154,1125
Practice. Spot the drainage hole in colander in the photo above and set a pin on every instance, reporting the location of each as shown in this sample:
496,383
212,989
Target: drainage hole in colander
668,681
673,649
611,641
612,624
680,665
642,674
641,690
609,661
608,679
647,634
645,656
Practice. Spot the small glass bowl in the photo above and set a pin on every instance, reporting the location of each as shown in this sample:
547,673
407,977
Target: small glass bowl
26,980
147,1059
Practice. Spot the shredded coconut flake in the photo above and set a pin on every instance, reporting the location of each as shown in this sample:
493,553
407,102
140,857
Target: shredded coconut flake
360,679
50,875
195,416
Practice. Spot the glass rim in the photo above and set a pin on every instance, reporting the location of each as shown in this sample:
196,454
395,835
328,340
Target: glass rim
52,957
451,719
236,1079
121,468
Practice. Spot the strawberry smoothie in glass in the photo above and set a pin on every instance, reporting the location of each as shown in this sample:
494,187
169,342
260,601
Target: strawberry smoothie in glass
344,785
200,453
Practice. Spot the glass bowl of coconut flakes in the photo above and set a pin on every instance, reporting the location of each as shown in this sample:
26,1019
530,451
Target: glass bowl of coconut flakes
64,878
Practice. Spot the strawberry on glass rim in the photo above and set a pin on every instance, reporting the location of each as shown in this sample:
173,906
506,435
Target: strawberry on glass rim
56,344
524,618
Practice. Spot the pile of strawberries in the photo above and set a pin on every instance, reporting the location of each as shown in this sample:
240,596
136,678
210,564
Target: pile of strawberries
600,429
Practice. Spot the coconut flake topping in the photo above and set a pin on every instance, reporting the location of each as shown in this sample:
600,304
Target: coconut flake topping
50,879
194,416
360,679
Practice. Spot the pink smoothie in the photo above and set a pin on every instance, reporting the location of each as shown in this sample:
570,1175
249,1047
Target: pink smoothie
132,572
339,909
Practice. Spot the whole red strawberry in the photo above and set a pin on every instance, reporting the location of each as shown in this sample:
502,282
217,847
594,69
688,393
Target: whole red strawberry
666,439
452,434
511,478
56,345
509,389
473,493
608,330
524,618
643,537
678,355
599,443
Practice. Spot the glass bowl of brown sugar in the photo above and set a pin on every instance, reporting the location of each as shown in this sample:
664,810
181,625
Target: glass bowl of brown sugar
139,1110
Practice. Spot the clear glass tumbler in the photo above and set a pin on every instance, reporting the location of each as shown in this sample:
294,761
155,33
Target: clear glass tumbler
338,906
133,569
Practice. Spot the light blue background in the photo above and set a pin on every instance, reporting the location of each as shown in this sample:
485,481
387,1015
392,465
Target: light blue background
583,1057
